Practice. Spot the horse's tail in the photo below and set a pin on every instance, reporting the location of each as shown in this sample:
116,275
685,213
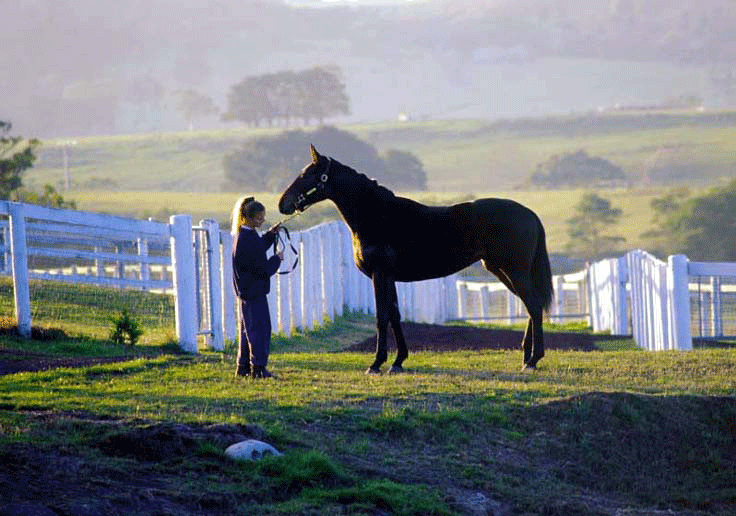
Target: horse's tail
541,270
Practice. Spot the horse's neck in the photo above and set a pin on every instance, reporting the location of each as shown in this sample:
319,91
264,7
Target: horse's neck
357,200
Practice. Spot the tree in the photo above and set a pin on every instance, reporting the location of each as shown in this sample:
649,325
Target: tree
50,198
193,104
248,101
704,228
317,94
664,237
323,94
270,163
16,156
576,169
405,170
14,160
587,228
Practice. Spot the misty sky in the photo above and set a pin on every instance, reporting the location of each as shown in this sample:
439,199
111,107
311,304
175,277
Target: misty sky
97,66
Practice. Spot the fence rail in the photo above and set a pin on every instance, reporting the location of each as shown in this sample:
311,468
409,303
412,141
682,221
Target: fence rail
662,304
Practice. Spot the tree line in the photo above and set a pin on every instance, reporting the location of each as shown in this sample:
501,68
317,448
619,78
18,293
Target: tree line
308,95
270,163
701,227
17,156
576,169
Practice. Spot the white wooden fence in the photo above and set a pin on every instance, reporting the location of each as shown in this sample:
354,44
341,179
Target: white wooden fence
326,282
114,246
635,294
193,264
662,304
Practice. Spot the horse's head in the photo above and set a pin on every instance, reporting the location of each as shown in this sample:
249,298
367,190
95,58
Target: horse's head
310,187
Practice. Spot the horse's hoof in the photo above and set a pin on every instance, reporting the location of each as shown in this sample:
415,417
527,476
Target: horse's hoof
528,368
373,370
396,369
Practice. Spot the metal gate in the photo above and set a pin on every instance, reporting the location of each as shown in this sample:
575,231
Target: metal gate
212,303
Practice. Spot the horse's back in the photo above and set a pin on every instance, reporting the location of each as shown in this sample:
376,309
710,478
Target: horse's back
504,214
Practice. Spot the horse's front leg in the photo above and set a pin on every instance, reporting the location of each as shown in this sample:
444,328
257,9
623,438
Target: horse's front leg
381,290
395,319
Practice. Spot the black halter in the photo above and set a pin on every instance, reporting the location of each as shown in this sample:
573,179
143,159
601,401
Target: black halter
303,198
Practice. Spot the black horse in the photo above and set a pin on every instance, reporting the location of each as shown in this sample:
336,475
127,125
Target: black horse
398,239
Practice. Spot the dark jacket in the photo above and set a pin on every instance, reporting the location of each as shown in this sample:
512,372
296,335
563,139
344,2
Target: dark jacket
251,269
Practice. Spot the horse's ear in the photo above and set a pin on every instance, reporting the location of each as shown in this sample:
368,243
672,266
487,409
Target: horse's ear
315,154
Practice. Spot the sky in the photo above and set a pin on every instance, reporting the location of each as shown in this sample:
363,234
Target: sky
353,2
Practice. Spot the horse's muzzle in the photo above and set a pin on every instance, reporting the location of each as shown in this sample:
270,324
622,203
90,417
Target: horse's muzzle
287,206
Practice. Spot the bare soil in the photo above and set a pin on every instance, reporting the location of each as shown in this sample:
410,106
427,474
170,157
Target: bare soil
434,337
419,337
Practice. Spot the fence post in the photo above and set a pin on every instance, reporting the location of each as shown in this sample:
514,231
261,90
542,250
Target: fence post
715,307
21,288
295,293
677,280
461,288
327,273
182,262
451,296
307,284
6,250
145,270
558,302
215,279
228,294
512,306
620,320
484,296
280,286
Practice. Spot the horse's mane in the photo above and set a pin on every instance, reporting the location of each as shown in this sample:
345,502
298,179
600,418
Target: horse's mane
370,185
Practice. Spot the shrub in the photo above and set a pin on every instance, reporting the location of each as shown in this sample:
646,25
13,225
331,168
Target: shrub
126,330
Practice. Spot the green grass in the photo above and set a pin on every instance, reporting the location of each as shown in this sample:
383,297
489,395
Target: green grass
620,429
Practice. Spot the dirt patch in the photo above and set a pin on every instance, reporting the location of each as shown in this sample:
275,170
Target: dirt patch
157,459
15,361
435,337
419,337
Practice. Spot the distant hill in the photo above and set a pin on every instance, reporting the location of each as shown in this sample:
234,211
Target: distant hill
652,148
88,67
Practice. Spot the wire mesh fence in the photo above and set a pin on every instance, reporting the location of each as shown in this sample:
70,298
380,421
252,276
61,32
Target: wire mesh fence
492,302
713,307
90,310
81,279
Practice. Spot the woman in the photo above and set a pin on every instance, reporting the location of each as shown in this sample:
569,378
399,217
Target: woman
252,273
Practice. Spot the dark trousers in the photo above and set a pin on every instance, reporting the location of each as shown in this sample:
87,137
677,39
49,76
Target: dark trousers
255,332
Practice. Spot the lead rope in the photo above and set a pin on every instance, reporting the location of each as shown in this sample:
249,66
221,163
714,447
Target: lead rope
283,241
286,239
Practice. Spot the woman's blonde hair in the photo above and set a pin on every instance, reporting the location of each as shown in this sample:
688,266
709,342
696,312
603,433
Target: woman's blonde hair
246,206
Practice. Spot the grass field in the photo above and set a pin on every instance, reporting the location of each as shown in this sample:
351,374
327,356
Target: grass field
156,175
458,155
600,433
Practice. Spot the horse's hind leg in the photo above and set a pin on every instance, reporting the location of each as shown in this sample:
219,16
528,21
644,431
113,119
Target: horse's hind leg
501,275
533,342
